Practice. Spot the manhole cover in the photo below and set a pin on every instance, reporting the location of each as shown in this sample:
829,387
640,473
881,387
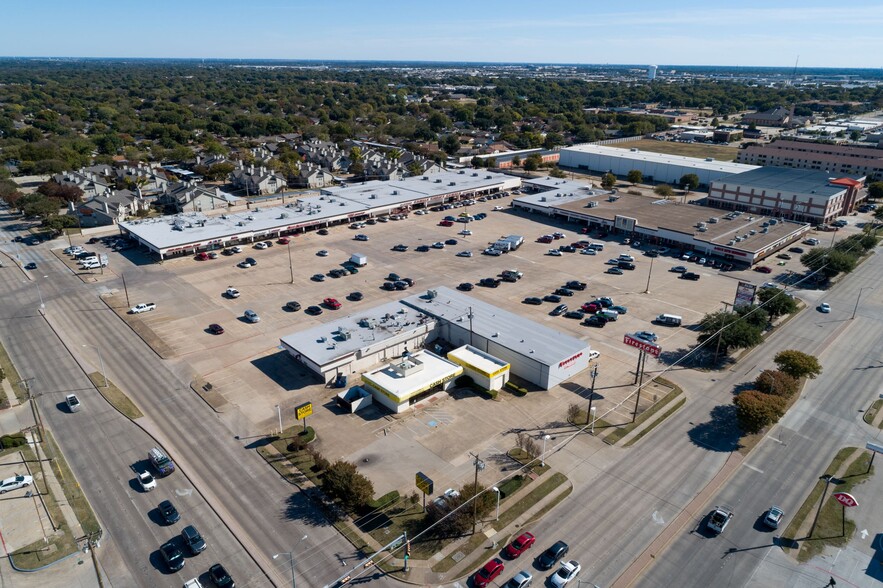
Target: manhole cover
457,557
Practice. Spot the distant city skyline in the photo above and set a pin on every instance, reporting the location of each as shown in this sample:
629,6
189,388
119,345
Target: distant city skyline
688,32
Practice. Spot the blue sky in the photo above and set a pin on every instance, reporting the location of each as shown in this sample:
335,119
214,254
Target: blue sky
823,34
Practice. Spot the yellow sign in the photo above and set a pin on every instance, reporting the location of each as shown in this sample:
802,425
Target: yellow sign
304,410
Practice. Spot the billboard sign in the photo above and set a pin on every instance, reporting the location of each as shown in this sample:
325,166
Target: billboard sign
744,295
845,499
645,346
424,483
304,410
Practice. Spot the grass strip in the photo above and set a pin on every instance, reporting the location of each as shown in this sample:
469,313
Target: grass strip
872,412
115,396
12,375
71,488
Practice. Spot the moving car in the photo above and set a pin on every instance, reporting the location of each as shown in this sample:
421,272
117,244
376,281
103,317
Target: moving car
719,519
551,556
824,307
565,574
521,544
172,555
488,573
168,512
73,403
773,517
15,482
193,540
146,481
220,576
216,329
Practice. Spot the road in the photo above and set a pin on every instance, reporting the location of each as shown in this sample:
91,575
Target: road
266,513
784,467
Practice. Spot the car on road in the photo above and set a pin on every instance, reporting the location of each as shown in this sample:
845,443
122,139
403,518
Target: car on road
355,296
31,266
464,254
193,540
400,247
551,556
521,544
565,574
773,517
73,403
322,253
146,481
465,286
615,271
678,269
719,519
361,237
314,310
231,292
824,307
168,512
15,482
763,269
142,307
488,573
521,580
533,300
215,329
648,336
559,310
220,576
331,303
172,555
318,277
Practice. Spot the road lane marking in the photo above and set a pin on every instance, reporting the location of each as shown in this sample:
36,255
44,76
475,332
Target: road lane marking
751,467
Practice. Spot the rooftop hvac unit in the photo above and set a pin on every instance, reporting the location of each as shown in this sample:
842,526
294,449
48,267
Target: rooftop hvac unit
283,215
432,294
709,159
474,174
634,149
224,216
488,177
344,334
452,183
438,181
240,224
425,177
395,192
342,204
542,198
249,217
592,204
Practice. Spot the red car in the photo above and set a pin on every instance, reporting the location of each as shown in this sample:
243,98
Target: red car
486,575
201,256
284,241
592,307
545,239
445,223
763,269
331,303
520,545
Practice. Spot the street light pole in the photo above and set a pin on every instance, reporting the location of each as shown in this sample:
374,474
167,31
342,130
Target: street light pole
279,412
650,273
593,409
497,490
543,460
290,555
290,266
857,298
592,394
479,465
100,362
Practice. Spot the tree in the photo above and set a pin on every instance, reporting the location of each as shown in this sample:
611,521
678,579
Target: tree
829,262
608,180
776,382
556,172
356,153
357,168
664,190
450,144
533,161
40,206
689,182
798,364
776,302
875,191
635,176
855,135
724,330
757,410
754,316
343,482
219,171
63,192
516,161
59,222
478,162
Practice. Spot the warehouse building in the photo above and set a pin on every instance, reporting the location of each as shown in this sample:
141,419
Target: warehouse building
798,194
655,167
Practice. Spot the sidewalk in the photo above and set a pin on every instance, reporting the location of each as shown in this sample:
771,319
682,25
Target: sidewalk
54,488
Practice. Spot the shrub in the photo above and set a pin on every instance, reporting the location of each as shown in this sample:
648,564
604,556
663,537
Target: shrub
572,412
776,383
17,440
757,410
798,364
320,464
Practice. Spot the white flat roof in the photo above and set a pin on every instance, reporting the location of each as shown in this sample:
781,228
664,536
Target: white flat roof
556,192
435,371
662,158
475,358
323,345
521,335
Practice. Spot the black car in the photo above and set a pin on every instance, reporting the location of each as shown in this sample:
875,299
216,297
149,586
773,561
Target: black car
626,265
337,273
567,249
465,287
388,286
489,282
575,285
604,301
168,512
574,314
690,276
532,300
400,247
193,540
408,281
392,277
251,260
220,577
796,250
551,556
314,310
322,231
552,298
31,266
559,310
293,306
172,555
318,277
355,296
227,252
422,248
595,321
400,285
563,292
451,242
651,253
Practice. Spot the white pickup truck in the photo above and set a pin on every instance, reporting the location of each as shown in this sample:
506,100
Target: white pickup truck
143,307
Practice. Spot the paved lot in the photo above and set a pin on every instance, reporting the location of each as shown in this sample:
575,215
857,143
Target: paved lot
22,514
247,367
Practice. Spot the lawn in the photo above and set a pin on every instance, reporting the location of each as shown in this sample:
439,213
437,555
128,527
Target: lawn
115,396
701,150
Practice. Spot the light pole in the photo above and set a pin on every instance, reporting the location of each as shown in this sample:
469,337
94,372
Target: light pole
279,412
650,273
290,555
290,266
479,465
592,410
543,461
100,361
857,298
592,394
497,490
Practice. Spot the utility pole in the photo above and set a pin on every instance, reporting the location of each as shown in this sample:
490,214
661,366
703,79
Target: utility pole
290,267
642,359
592,395
650,273
479,465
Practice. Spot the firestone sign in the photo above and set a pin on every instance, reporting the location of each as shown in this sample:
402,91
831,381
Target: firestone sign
645,346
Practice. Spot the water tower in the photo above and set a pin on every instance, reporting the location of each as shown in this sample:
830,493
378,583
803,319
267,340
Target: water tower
651,72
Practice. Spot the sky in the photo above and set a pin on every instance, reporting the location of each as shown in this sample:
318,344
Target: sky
689,32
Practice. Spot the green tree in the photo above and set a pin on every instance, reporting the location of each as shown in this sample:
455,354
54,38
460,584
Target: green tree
608,180
776,382
829,262
357,168
356,154
689,182
798,364
478,162
664,190
59,222
724,330
556,172
450,144
757,410
875,191
220,171
343,481
516,161
635,176
533,162
754,316
776,302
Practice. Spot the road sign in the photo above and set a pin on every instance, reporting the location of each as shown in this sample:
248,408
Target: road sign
845,499
304,410
874,447
424,483
646,346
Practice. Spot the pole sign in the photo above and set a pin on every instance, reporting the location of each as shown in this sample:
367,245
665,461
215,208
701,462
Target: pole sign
874,447
646,346
845,499
304,410
424,483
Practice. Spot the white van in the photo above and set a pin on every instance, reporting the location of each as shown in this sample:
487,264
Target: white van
597,246
671,320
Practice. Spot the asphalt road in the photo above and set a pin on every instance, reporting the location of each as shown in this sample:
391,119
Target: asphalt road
784,467
265,512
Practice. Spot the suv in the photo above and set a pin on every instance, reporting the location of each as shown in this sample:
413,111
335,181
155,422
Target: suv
552,555
489,282
193,540
689,276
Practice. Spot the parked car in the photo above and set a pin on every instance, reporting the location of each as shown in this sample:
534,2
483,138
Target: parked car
251,316
142,307
588,251
318,277
168,512
284,240
615,271
574,314
679,269
489,282
322,231
355,296
172,555
451,242
220,576
216,329
619,309
763,269
555,253
422,248
575,285
690,276
15,482
261,245
551,556
146,481
796,250
465,286
552,298
361,237
400,247
232,292
438,245
563,292
559,310
322,253
464,254
292,306
331,303
649,336
314,310
532,300
244,264
488,573
784,256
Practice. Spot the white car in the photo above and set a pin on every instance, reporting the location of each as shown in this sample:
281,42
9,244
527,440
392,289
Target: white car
464,254
236,249
565,574
493,252
824,307
232,292
361,237
555,253
466,232
14,483
260,245
147,481
143,307
322,253
73,403
438,245
612,262
594,354
244,264
588,251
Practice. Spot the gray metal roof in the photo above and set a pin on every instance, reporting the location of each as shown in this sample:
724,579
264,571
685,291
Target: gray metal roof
524,336
788,180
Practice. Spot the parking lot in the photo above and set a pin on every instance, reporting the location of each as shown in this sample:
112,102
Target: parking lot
248,369
24,518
